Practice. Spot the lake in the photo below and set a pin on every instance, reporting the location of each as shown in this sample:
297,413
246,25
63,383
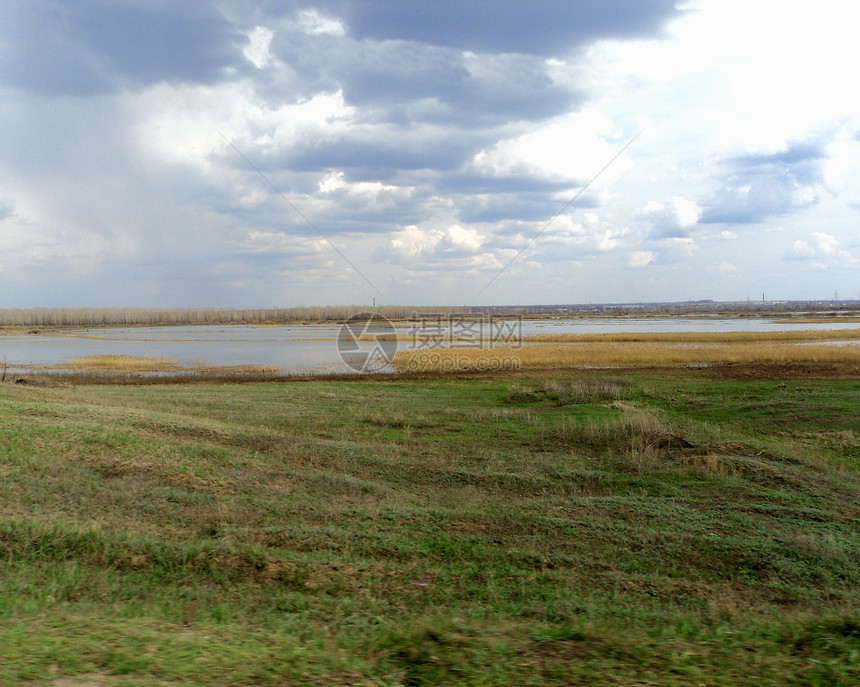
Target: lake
305,349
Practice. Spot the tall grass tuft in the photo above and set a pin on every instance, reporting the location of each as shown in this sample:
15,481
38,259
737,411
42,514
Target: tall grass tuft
638,437
563,392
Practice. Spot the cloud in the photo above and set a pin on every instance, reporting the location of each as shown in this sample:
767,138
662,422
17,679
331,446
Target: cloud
674,250
411,82
257,51
464,239
673,219
412,241
429,141
565,240
823,249
571,148
278,244
722,268
7,209
87,46
182,123
315,24
759,187
640,258
542,27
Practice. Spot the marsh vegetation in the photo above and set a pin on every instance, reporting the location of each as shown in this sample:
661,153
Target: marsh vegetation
640,349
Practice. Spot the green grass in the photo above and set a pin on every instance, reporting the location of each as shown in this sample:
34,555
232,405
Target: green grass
667,528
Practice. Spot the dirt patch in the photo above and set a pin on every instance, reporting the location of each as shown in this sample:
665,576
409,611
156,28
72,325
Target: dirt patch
768,371
545,654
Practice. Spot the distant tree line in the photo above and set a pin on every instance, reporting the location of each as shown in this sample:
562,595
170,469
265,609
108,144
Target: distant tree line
91,317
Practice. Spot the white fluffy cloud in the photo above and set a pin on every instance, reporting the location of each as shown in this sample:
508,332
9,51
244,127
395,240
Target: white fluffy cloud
640,258
413,241
259,42
572,149
313,23
675,218
823,249
179,123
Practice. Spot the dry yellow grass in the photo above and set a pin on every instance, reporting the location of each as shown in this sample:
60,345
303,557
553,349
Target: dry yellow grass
819,320
118,364
234,369
799,336
623,354
127,364
803,335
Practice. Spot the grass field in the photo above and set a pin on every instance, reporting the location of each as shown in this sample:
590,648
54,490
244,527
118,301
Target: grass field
638,527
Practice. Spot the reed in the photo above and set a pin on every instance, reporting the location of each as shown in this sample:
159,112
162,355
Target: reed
819,320
625,354
801,336
96,367
117,364
429,338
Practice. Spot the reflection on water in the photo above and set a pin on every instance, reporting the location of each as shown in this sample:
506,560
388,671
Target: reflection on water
303,348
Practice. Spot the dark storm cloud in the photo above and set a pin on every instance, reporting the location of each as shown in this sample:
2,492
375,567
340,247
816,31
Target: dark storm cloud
541,27
507,87
381,159
406,82
487,199
469,183
433,84
762,186
87,46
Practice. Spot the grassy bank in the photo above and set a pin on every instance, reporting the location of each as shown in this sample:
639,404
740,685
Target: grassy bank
630,528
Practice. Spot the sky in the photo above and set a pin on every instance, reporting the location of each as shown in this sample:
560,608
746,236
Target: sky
483,152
